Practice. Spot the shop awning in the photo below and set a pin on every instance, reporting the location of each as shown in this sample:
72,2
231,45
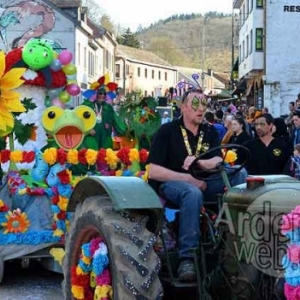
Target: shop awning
241,88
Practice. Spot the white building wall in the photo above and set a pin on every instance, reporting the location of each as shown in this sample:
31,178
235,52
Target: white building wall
282,55
254,60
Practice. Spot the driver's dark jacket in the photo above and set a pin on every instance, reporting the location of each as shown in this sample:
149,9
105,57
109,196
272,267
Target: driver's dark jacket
168,149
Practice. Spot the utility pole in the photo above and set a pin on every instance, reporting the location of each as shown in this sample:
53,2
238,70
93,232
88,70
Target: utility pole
206,19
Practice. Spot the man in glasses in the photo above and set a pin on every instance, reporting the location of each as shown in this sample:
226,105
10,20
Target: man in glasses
268,155
174,147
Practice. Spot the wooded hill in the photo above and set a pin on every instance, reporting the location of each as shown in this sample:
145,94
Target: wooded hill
179,40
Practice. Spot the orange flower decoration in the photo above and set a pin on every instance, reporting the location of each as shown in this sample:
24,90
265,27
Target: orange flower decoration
17,222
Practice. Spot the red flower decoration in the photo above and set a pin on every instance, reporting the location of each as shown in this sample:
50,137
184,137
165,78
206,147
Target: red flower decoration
5,156
101,156
64,177
143,155
54,226
81,156
61,156
4,208
55,199
62,215
79,280
28,157
123,155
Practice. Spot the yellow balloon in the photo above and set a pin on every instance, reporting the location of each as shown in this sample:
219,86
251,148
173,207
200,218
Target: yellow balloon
64,97
55,54
69,69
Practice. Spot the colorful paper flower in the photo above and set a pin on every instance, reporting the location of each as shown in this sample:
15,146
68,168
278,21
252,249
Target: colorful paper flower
50,156
9,99
17,222
91,156
72,157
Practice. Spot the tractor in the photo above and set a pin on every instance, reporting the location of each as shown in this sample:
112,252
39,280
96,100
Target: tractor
241,246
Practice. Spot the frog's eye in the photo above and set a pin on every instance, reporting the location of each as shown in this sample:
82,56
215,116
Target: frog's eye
50,117
51,114
87,116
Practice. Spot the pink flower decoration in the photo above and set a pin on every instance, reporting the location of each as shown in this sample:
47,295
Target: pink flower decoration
294,253
104,278
95,245
291,292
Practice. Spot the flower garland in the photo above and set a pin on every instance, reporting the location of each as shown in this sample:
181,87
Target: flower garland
91,278
89,157
291,261
17,222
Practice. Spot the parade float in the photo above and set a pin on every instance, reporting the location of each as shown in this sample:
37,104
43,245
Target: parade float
47,149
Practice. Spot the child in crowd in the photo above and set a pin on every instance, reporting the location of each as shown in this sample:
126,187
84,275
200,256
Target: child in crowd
296,162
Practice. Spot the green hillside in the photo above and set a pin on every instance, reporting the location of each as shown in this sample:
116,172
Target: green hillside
179,40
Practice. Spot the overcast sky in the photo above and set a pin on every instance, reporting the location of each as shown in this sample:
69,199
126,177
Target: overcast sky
132,13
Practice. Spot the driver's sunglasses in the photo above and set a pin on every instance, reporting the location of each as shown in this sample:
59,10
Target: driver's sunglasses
101,94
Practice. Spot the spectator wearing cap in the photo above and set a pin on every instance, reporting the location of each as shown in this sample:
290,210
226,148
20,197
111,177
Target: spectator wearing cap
268,155
165,119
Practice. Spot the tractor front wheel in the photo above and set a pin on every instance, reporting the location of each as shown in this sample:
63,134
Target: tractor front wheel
133,264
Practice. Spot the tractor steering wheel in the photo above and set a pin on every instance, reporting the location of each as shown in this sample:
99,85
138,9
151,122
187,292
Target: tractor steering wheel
196,172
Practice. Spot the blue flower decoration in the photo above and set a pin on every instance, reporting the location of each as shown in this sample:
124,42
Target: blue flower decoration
100,263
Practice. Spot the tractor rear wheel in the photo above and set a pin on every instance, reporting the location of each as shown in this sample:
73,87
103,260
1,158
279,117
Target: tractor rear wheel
133,264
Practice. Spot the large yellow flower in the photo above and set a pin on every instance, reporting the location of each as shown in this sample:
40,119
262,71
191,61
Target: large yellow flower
9,99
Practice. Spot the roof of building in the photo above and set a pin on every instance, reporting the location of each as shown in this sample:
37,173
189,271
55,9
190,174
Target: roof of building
141,56
223,77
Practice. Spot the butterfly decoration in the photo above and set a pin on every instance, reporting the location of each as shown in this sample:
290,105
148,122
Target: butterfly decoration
102,83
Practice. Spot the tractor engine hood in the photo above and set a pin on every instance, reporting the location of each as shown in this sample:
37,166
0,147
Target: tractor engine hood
253,212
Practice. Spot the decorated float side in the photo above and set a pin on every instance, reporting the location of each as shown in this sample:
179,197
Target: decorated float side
46,149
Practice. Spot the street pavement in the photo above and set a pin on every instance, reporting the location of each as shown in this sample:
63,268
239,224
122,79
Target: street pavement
33,283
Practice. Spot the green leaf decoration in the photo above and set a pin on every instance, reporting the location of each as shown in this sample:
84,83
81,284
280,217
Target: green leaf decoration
22,132
28,104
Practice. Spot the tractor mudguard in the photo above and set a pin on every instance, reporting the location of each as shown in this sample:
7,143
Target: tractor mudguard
124,192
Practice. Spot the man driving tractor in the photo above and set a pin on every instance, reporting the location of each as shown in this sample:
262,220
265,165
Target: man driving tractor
174,148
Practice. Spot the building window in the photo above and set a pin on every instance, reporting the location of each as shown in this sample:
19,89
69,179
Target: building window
152,74
146,73
240,54
259,3
79,54
159,75
145,94
139,72
118,70
259,39
247,46
91,63
84,58
127,69
166,76
243,51
251,42
152,94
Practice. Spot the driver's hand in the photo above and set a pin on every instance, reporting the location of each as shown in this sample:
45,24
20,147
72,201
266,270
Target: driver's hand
199,183
209,164
187,162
